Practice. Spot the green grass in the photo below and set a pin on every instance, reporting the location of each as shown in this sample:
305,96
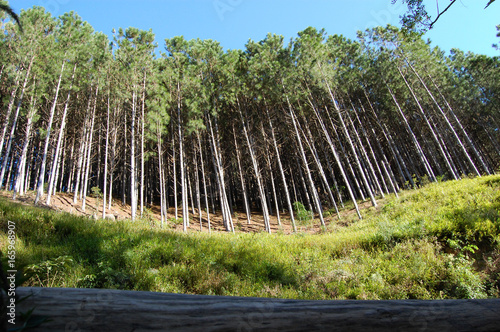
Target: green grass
439,242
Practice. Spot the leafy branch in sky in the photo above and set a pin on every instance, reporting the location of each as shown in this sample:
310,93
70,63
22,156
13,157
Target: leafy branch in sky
6,8
417,17
496,46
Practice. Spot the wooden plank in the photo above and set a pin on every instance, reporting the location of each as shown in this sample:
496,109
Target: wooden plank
113,310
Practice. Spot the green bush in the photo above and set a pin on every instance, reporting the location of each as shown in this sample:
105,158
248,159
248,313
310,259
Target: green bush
48,273
302,214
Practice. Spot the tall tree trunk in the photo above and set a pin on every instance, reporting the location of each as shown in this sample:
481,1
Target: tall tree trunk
383,162
124,163
337,159
448,123
189,191
174,176
10,107
302,152
81,154
184,201
436,140
142,143
353,150
283,177
219,170
59,175
332,174
374,158
19,187
8,178
13,127
133,171
104,187
34,167
420,152
462,129
197,186
99,156
386,167
258,175
310,143
365,154
242,178
273,187
113,159
159,142
52,177
204,181
395,158
66,185
89,154
41,179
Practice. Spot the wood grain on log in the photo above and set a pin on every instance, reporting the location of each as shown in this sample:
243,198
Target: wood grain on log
113,310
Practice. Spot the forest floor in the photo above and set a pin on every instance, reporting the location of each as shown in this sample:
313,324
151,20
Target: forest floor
63,202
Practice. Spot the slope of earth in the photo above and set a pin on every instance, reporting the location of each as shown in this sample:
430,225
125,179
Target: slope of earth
63,202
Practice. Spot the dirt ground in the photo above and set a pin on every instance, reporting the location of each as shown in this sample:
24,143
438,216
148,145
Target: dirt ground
64,202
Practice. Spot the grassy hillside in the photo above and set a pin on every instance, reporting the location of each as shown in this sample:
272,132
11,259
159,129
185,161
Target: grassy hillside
442,241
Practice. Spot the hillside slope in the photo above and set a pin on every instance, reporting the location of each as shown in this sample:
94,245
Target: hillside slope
441,241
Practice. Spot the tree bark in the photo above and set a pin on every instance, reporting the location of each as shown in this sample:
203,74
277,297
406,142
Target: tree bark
105,175
337,160
420,152
89,153
242,178
184,201
462,129
19,187
143,119
219,170
314,191
174,176
310,143
133,171
52,177
204,181
436,140
365,154
113,158
101,309
13,127
10,107
41,179
353,150
282,173
257,172
81,154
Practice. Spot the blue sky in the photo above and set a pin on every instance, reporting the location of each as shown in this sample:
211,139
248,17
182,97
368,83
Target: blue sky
233,22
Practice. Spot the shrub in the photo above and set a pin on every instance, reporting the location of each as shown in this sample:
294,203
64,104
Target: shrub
302,214
50,272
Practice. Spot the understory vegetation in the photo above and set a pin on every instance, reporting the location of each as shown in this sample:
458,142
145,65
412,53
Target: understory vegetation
439,242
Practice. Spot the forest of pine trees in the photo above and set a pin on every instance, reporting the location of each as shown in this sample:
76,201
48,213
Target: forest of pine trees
320,120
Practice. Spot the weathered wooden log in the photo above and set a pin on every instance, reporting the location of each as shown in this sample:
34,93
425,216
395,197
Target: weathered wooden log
112,310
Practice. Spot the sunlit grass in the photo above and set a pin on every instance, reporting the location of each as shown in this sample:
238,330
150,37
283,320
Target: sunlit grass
441,241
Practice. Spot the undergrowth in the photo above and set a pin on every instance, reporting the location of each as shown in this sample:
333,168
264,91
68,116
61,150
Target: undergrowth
439,242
